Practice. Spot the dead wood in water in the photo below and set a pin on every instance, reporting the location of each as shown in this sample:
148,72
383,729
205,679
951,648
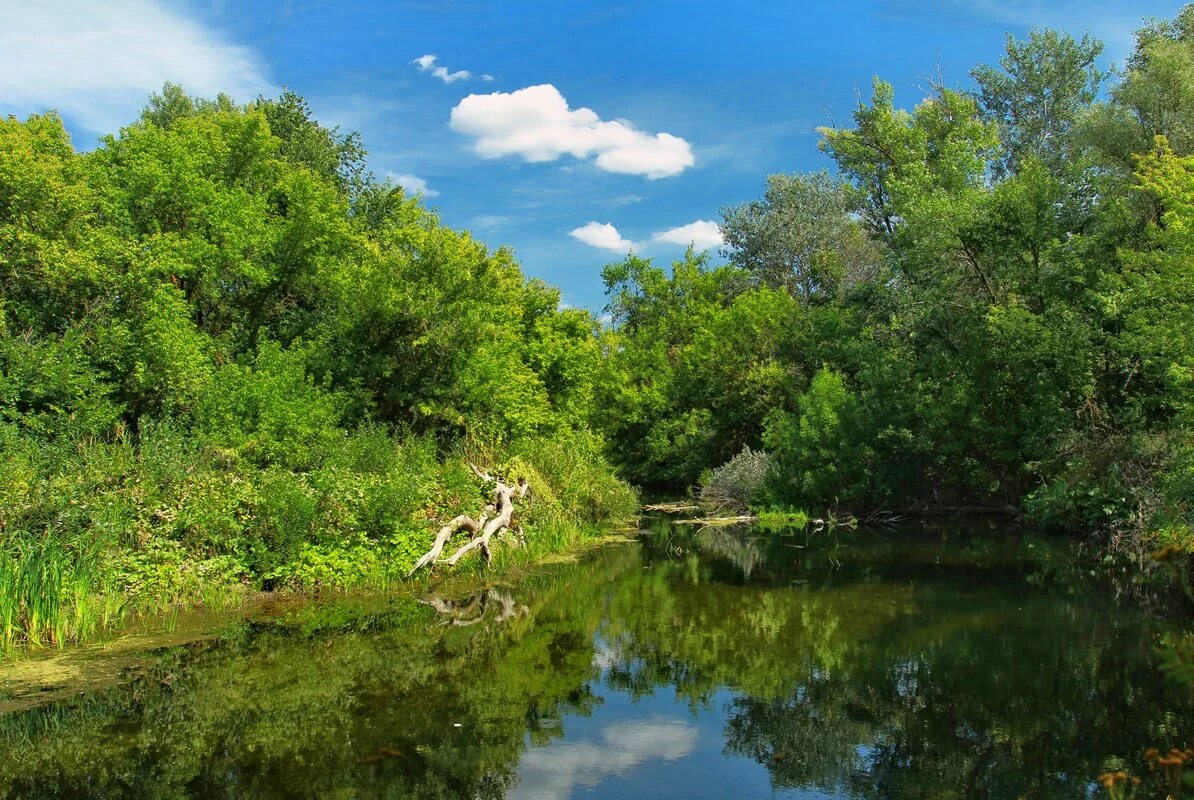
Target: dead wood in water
670,508
710,521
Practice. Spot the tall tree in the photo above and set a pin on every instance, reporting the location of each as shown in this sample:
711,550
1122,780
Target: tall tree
1155,97
1038,92
800,236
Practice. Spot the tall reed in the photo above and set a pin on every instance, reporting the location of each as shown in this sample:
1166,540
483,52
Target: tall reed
50,593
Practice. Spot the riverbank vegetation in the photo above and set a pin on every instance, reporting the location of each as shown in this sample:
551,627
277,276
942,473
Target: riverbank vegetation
231,360
987,307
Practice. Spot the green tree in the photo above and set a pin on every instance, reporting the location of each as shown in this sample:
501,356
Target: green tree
1038,93
800,237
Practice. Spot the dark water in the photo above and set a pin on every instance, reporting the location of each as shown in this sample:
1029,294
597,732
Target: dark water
897,664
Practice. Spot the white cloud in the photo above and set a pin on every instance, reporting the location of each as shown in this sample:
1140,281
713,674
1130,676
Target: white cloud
489,221
551,772
427,64
603,235
537,124
97,62
413,184
702,234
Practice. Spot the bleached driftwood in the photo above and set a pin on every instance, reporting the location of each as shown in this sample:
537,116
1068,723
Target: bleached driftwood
711,521
483,528
461,523
670,508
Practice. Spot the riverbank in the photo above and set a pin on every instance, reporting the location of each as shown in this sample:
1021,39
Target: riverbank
107,533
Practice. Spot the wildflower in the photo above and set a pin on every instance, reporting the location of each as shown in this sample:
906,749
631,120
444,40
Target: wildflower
1110,780
1116,785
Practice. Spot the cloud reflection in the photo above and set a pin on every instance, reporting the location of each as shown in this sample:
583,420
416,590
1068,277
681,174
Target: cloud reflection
550,773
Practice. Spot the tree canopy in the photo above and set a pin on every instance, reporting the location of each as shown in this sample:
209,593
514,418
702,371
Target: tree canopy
986,307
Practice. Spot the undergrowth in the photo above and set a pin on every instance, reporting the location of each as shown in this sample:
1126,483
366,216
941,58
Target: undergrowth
95,533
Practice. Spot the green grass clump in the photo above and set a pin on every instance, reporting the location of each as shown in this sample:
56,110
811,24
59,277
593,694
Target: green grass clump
783,516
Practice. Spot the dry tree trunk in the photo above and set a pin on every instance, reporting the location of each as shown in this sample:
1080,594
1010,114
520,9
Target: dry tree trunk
503,506
463,522
504,500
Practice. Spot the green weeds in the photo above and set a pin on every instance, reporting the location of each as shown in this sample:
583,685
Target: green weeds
104,532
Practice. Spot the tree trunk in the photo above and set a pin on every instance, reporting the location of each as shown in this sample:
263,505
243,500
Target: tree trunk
463,522
504,500
504,497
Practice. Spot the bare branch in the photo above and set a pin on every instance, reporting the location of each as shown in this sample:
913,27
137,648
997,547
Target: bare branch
496,518
462,522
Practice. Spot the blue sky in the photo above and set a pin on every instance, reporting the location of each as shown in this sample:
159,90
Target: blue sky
591,126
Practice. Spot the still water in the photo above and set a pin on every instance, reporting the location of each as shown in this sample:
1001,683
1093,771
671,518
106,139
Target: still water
910,663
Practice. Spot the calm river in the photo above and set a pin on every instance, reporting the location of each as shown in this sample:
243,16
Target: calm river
909,663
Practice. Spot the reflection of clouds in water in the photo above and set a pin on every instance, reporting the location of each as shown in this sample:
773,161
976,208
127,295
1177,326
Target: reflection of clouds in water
606,655
549,773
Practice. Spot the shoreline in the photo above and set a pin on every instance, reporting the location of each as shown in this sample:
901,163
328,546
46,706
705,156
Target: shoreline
34,677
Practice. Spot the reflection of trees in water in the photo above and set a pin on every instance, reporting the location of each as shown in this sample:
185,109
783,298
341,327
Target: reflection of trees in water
802,740
335,702
879,689
733,545
984,711
875,686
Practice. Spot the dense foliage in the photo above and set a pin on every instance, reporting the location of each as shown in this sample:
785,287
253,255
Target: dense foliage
229,357
990,306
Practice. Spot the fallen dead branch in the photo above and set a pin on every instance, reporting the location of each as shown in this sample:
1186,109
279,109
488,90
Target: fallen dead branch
461,523
815,523
708,521
670,508
483,528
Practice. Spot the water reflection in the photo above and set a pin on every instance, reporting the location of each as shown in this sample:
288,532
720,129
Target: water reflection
731,544
713,663
551,773
495,604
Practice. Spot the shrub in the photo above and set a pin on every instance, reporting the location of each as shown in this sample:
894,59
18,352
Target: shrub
571,463
739,482
271,411
818,458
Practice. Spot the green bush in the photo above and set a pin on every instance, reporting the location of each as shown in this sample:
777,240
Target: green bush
817,451
740,482
574,467
270,410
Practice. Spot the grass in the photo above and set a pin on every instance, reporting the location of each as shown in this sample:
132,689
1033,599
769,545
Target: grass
97,534
50,594
783,516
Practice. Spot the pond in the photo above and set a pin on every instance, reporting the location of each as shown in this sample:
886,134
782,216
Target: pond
904,663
